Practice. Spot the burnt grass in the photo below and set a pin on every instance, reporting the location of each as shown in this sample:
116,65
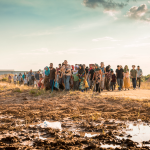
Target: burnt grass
78,112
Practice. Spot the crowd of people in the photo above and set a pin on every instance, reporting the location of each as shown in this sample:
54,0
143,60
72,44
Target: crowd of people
79,77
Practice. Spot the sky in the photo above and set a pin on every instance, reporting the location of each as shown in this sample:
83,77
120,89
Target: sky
34,33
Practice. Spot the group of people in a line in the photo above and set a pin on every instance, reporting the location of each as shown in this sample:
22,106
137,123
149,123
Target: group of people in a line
79,77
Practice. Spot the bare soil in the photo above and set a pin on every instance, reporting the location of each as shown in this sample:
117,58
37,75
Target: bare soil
79,113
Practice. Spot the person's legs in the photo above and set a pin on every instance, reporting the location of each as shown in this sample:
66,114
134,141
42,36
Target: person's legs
118,81
90,84
134,83
67,83
97,87
112,86
52,85
139,82
121,83
102,82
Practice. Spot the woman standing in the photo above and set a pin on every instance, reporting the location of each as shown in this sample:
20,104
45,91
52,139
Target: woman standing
82,76
47,78
108,78
98,77
126,78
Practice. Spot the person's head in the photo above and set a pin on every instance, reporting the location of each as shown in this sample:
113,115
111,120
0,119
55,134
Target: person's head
96,66
16,74
51,65
112,72
65,62
59,65
76,67
59,72
24,73
133,66
102,64
31,70
126,67
38,72
138,67
118,67
93,66
46,68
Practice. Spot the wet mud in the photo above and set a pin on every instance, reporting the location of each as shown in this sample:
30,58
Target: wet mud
72,120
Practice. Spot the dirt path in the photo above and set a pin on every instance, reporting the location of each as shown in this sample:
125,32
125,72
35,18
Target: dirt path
134,94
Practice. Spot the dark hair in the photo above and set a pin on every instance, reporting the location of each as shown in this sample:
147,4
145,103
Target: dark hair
138,66
118,66
60,64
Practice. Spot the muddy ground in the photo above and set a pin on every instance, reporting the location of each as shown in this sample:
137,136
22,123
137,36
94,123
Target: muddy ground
88,121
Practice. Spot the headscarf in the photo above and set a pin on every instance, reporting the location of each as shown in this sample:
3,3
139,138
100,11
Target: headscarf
81,70
96,69
47,72
125,70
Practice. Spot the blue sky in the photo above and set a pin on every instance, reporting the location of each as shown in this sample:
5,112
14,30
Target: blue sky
34,33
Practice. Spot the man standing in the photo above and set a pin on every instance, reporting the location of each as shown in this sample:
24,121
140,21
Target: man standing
53,76
31,77
103,69
139,74
119,76
23,76
133,74
67,75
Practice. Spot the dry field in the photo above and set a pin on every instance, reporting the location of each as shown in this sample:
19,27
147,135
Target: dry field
77,120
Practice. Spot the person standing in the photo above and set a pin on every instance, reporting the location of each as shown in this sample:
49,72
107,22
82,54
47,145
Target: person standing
59,67
23,76
15,78
113,80
75,79
91,76
133,74
126,78
98,76
37,77
103,69
119,75
82,76
108,78
53,76
46,78
9,78
139,74
67,75
19,78
31,77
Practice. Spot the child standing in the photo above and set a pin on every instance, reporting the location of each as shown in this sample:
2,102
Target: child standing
113,80
25,81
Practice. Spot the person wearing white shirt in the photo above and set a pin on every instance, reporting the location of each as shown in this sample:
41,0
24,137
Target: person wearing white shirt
15,78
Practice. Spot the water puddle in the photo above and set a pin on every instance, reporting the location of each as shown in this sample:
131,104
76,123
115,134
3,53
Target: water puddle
140,132
90,135
110,146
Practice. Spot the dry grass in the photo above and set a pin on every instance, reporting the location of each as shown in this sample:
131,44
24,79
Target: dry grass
145,85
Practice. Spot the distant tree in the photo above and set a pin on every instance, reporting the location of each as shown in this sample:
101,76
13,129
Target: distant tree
145,78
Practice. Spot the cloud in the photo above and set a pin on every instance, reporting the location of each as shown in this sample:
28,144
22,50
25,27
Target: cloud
139,13
137,45
149,2
105,39
106,4
111,13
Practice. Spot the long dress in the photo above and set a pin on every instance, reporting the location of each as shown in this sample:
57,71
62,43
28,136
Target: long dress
126,80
